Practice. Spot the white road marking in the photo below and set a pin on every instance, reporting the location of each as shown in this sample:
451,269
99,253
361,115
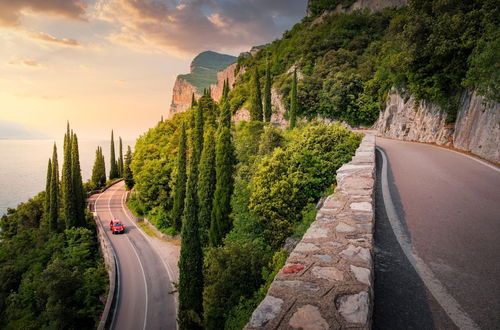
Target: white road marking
140,263
447,302
165,265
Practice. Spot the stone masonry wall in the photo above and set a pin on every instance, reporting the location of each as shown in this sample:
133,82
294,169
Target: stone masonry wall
327,280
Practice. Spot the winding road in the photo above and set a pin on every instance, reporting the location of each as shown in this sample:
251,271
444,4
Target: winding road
143,297
437,239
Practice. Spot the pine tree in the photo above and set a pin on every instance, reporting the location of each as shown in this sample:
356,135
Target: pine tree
120,160
293,101
47,190
267,95
79,197
191,255
193,101
53,218
206,184
68,196
113,171
180,181
220,223
127,171
256,105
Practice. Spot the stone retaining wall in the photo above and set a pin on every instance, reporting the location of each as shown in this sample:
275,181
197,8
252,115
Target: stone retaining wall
327,280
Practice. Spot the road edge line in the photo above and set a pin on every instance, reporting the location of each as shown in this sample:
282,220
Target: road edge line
452,308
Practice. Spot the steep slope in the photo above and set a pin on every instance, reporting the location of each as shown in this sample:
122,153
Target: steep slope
203,73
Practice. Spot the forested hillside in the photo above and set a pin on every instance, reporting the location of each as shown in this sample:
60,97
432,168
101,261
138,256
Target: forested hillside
347,63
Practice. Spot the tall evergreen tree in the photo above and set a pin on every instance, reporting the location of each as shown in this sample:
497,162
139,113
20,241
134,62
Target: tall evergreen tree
193,101
120,160
256,105
293,101
197,134
191,256
96,170
47,190
206,184
53,218
102,168
79,197
220,223
180,181
225,91
113,171
67,191
267,94
127,171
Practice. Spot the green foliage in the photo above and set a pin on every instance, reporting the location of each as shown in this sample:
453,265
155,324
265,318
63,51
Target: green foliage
48,279
53,215
206,184
180,181
191,257
113,171
267,94
67,187
128,177
256,101
317,7
120,158
76,174
293,101
98,178
220,223
288,179
232,272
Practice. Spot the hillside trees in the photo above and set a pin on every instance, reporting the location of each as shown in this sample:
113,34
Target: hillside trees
267,94
180,180
256,101
128,177
113,171
293,101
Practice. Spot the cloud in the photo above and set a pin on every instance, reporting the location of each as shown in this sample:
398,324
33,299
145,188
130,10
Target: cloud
11,10
50,38
193,25
25,63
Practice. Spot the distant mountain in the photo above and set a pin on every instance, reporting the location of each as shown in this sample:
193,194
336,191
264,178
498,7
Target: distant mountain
12,131
203,73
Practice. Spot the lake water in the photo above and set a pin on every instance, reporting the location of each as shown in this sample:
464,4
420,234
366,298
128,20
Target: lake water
23,166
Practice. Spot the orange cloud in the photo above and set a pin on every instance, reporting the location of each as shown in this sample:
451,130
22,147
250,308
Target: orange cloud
11,11
24,62
50,38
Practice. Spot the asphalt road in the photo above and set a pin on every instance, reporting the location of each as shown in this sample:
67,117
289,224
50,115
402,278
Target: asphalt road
144,301
448,207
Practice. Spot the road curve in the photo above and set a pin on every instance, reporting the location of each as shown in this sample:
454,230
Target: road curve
448,205
143,298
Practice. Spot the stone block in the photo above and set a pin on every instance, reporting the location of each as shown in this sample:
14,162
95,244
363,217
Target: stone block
267,310
328,273
308,317
354,308
357,254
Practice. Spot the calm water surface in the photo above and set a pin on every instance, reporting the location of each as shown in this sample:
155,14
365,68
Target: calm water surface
23,166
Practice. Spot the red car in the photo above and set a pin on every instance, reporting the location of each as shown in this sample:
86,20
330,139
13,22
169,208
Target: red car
116,227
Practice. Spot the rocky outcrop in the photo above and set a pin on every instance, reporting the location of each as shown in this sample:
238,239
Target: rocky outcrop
181,96
203,73
476,130
279,110
327,281
228,73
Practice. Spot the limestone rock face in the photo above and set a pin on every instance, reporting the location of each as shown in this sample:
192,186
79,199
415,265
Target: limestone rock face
477,128
229,74
181,97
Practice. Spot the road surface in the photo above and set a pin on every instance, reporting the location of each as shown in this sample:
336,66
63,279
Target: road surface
144,301
448,208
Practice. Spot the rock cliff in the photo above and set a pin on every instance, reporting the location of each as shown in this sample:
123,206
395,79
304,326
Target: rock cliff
203,72
476,130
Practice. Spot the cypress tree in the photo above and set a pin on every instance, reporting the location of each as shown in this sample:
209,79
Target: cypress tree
127,171
113,171
96,171
47,190
256,106
267,95
293,101
206,184
68,196
120,160
220,223
53,218
79,197
225,91
191,255
180,181
193,101
102,169
198,134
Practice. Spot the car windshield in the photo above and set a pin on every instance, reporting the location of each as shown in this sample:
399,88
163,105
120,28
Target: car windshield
117,224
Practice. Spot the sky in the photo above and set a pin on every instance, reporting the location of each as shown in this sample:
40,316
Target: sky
111,64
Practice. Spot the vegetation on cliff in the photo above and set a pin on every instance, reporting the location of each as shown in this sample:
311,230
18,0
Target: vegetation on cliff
349,62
